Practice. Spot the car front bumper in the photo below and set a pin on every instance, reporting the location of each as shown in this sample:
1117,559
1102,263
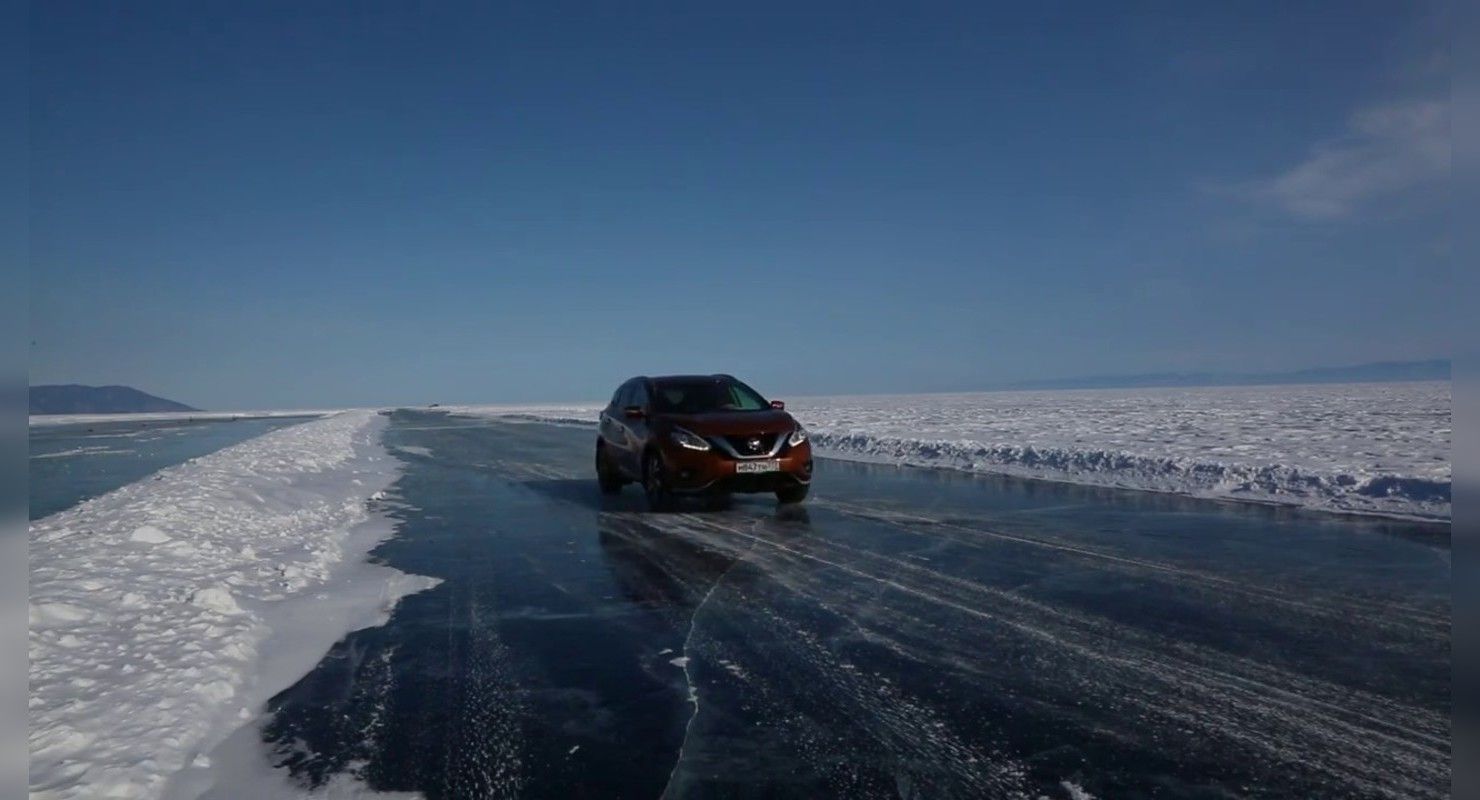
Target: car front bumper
698,472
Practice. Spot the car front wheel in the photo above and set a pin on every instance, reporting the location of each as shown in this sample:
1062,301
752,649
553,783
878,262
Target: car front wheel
606,477
655,483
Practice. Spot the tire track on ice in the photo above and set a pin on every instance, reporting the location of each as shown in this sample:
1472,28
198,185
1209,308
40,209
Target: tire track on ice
482,757
902,521
1366,751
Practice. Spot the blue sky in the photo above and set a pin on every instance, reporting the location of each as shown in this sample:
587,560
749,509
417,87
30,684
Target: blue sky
270,205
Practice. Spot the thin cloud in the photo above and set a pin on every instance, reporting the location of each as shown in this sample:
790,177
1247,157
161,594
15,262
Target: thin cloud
1386,150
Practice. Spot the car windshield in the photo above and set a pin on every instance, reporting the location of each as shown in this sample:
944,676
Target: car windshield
706,396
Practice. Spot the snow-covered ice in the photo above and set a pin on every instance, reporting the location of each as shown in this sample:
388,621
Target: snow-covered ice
1353,448
163,614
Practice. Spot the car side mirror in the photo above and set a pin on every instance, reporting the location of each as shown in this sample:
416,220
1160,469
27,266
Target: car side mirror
633,412
778,405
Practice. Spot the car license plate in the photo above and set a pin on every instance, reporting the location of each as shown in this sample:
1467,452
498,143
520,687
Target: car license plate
770,465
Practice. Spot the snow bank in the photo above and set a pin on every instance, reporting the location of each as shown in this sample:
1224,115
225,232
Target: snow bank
1268,483
163,614
12,640
1352,448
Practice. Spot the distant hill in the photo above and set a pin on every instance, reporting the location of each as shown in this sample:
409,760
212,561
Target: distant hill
1437,369
77,399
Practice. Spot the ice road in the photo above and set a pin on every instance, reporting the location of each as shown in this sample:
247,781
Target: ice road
909,633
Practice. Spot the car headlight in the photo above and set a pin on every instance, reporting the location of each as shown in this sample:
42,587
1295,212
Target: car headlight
688,439
797,437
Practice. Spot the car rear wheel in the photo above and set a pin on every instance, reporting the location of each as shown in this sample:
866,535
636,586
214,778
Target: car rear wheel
792,494
655,482
606,477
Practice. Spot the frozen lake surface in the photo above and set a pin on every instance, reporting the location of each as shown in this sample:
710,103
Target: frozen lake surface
215,630
910,632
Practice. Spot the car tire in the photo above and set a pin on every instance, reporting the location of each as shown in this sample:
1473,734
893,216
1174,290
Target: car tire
606,477
655,482
792,494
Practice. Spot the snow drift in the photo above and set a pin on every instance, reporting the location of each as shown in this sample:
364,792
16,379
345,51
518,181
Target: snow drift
164,613
1268,483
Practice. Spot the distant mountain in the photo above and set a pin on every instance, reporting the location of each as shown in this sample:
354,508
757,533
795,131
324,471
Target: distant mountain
1437,369
76,399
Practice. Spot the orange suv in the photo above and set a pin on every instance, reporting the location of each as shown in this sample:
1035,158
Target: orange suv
698,435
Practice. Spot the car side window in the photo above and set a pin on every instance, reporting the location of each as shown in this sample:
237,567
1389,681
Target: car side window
617,396
639,396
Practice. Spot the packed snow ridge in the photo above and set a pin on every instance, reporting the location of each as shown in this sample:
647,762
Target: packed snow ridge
155,609
1273,483
1350,448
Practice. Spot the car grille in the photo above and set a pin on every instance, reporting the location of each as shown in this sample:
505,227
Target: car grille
753,445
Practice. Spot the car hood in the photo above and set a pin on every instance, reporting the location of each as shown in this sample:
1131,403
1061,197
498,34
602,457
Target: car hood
737,423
